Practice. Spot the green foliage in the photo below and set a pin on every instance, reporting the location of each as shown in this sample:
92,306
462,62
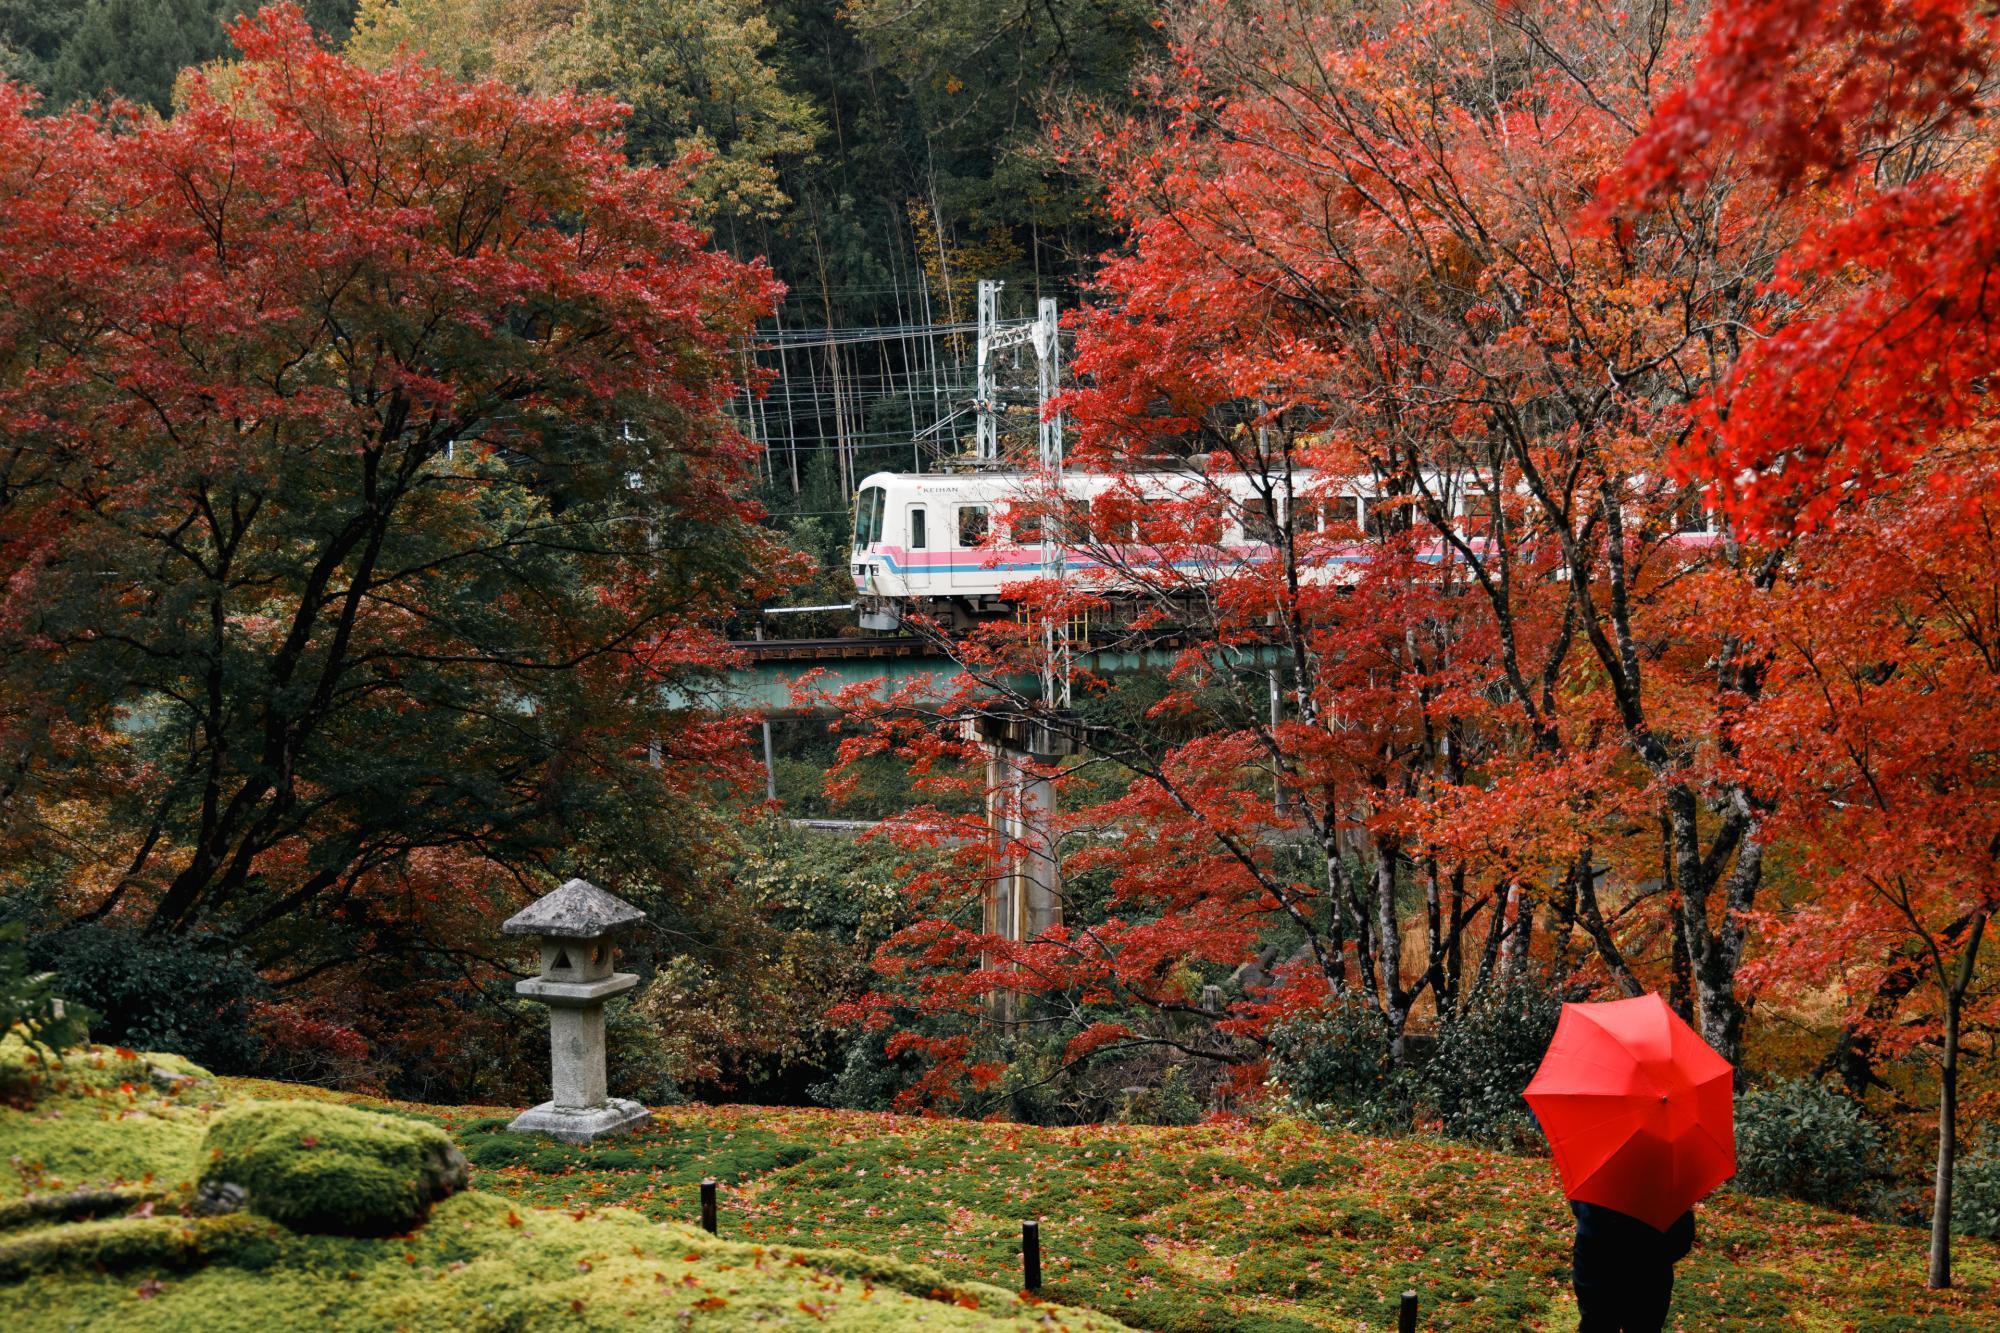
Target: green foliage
332,1170
1336,1064
976,75
1482,1059
842,887
32,36
1975,1199
31,1007
79,50
1169,1102
697,74
636,1059
1805,1140
869,1078
157,993
136,48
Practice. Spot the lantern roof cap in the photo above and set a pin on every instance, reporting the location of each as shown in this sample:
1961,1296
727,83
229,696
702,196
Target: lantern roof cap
579,910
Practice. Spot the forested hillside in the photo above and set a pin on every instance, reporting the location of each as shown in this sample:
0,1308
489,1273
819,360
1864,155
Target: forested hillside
883,157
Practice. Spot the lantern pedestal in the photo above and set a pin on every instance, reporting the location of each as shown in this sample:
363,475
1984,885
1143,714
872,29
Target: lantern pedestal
575,925
580,1124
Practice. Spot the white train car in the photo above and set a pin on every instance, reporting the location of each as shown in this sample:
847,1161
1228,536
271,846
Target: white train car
949,545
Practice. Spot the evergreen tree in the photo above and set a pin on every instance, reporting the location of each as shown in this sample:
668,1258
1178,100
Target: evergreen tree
128,48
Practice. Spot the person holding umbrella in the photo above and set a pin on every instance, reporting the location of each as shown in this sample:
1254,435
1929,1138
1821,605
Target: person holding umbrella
1640,1116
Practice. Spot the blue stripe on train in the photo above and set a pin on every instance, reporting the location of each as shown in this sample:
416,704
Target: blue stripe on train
1035,566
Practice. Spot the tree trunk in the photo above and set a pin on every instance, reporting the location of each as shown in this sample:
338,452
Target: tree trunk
1520,933
1947,1158
1388,948
1714,950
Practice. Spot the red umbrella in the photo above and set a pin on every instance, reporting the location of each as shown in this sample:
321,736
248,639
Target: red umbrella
1637,1108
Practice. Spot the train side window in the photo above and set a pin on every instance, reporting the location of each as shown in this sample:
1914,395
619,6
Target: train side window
973,524
1690,516
1261,519
1027,528
1475,518
1339,513
918,537
1387,514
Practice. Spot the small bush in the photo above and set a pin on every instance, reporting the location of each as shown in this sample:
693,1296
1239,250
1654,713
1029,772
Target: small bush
869,1077
640,1065
32,1012
1483,1057
158,995
1169,1102
1804,1140
332,1170
1335,1064
1975,1190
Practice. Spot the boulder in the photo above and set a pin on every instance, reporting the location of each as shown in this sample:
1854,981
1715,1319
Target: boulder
328,1170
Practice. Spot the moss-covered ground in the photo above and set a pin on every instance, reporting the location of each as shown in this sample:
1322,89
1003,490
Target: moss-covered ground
96,1233
1228,1226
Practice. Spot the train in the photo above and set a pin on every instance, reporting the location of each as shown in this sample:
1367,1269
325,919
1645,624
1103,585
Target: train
949,546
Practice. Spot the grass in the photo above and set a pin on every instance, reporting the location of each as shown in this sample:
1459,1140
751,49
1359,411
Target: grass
1229,1226
1276,1226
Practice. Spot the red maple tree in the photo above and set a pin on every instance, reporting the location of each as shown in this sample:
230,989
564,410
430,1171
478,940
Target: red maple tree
368,510
1369,319
1867,423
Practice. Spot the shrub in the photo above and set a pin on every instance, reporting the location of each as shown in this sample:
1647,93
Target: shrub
1805,1140
30,1009
1335,1064
1482,1059
158,995
332,1170
640,1065
1169,1102
1975,1191
300,1045
869,1077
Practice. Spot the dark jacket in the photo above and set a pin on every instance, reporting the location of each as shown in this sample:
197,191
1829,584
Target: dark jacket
1610,1244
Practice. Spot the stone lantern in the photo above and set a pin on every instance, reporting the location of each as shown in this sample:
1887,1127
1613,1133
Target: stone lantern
577,925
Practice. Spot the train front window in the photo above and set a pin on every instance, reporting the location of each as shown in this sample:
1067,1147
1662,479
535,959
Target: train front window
972,525
868,516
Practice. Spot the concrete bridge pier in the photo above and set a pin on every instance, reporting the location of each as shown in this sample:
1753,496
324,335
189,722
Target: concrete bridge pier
1025,898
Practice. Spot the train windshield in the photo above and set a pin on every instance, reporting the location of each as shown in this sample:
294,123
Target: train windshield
868,516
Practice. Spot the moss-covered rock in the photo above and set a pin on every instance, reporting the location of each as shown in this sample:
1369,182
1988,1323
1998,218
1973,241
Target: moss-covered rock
119,1245
330,1170
97,1119
29,1073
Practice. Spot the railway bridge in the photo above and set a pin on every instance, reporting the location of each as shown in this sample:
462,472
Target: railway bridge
1024,899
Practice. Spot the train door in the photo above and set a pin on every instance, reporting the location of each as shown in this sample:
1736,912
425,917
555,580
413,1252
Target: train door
971,525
